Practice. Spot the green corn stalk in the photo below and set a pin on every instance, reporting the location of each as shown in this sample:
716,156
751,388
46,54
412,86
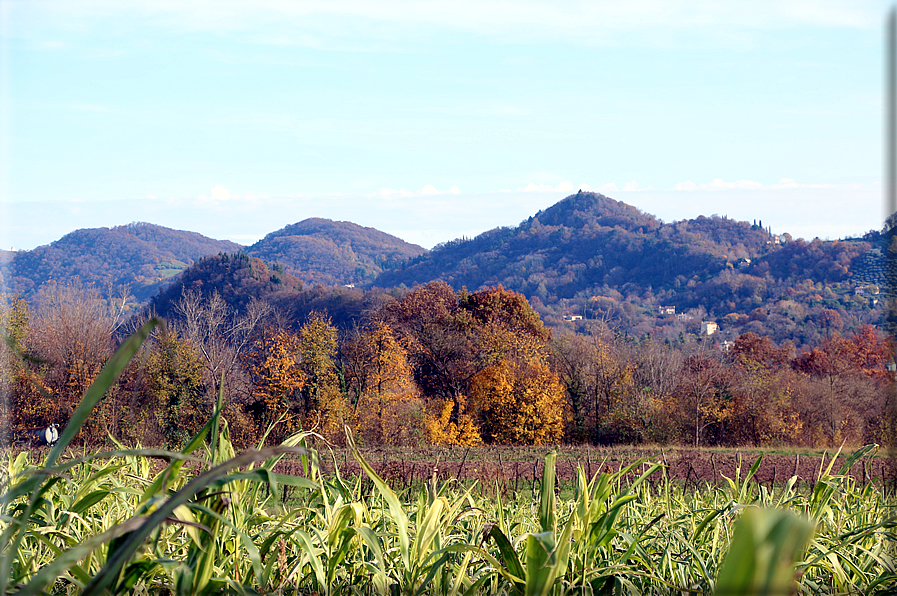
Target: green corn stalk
761,559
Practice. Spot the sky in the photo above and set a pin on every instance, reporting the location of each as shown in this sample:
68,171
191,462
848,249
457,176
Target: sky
433,120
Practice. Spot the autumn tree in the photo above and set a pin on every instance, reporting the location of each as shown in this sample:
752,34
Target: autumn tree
72,333
847,382
518,402
460,343
324,404
25,399
599,385
220,335
701,400
438,337
655,375
174,372
274,364
388,409
515,396
764,386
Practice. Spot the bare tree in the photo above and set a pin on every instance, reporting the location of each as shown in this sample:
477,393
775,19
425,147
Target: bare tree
220,336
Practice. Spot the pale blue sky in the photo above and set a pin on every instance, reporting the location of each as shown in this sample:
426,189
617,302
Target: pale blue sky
432,120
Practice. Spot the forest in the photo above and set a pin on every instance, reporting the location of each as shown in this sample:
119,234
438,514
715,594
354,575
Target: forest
429,366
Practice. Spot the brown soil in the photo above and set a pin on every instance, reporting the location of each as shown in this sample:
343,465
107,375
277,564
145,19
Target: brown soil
686,466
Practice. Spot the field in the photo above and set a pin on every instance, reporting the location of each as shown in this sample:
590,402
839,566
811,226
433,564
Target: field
212,521
515,468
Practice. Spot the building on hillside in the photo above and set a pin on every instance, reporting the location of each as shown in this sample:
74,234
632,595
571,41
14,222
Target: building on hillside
666,310
709,328
573,317
726,345
684,317
744,263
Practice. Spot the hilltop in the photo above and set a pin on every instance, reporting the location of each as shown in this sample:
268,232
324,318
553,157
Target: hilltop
593,257
142,255
321,251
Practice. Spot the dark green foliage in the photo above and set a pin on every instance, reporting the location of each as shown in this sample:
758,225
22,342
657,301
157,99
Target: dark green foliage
237,278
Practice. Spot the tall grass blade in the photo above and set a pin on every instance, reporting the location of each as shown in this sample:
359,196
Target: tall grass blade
761,559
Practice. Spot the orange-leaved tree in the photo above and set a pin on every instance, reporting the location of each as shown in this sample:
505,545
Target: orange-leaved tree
515,396
273,363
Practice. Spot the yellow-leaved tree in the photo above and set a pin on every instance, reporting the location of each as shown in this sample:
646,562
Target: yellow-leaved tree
388,409
324,404
515,397
519,401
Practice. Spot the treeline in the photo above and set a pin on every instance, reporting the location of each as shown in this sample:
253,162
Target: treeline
431,365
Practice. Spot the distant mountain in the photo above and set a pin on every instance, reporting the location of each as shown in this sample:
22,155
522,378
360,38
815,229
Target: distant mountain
142,255
597,258
333,252
588,255
584,241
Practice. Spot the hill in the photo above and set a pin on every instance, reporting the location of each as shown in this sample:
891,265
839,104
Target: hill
594,257
584,241
238,279
142,255
333,252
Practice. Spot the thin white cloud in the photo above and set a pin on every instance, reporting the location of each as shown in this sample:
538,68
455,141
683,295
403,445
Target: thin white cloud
218,194
314,22
560,187
719,184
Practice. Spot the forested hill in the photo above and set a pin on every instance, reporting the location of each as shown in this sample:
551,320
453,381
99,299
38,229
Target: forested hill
141,255
584,241
333,252
592,256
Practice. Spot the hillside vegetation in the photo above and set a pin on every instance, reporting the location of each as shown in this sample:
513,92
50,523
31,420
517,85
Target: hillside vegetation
140,255
587,256
321,251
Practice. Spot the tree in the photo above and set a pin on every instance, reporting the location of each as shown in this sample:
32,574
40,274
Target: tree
175,376
72,334
763,385
702,398
388,410
26,401
275,369
599,384
518,402
221,336
324,404
438,337
847,387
